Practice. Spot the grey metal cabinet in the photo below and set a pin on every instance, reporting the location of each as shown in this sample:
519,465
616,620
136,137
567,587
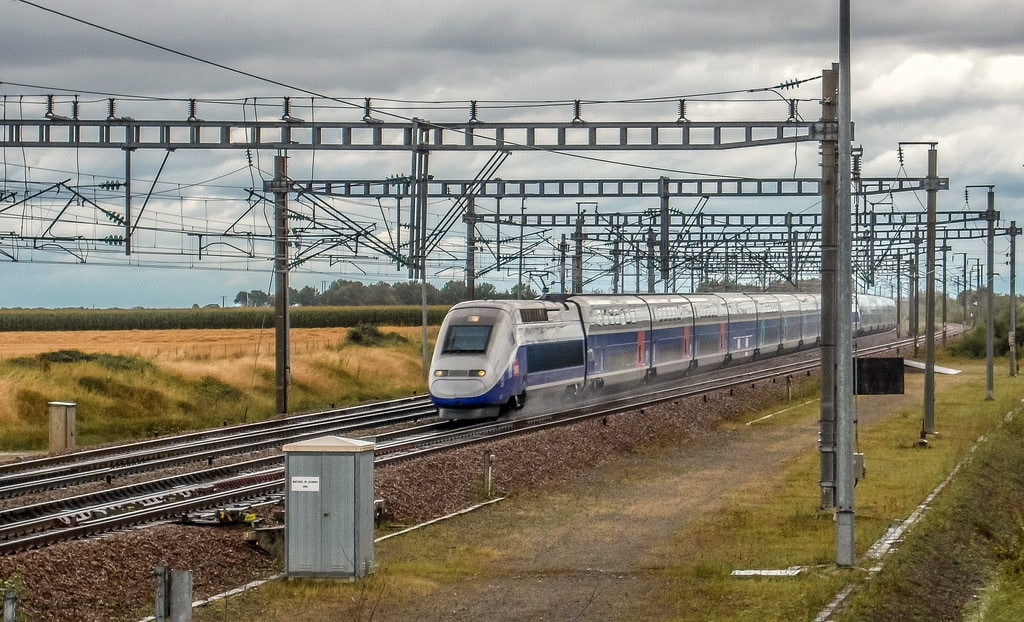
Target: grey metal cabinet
329,508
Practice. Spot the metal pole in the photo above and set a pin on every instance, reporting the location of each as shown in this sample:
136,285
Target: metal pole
945,291
899,294
915,309
827,433
990,216
563,249
964,320
127,201
1013,232
651,239
470,219
845,549
422,180
522,234
577,255
928,426
281,308
665,221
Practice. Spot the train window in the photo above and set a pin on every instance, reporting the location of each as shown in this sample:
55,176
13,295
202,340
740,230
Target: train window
463,339
533,315
555,355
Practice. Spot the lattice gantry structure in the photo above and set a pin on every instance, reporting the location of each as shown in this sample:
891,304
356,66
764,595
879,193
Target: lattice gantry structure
578,234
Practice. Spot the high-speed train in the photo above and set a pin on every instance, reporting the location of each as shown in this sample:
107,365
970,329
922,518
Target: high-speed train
491,354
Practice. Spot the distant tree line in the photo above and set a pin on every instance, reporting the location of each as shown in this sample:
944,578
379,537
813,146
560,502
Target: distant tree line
354,293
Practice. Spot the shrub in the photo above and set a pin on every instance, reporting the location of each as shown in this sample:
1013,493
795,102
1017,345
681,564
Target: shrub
371,336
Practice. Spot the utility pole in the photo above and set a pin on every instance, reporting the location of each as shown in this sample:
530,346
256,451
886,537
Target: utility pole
965,284
651,241
563,249
929,304
418,226
845,477
991,216
829,230
577,255
915,308
945,290
470,220
665,221
1013,232
522,237
899,294
281,317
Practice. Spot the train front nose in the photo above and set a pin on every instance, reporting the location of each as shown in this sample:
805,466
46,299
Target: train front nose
455,388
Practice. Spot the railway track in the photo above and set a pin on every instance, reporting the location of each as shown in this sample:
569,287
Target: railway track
110,463
262,479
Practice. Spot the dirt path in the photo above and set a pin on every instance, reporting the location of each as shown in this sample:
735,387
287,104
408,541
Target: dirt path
602,550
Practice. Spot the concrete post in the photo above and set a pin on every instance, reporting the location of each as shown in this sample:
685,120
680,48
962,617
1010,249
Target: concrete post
10,605
62,426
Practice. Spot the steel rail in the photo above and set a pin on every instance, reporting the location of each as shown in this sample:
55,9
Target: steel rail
113,451
65,474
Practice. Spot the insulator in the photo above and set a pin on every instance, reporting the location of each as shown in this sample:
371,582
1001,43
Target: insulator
287,108
682,112
192,110
899,154
576,109
792,109
111,109
472,112
49,106
74,108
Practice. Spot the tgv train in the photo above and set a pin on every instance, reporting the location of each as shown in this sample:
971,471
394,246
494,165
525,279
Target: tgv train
492,354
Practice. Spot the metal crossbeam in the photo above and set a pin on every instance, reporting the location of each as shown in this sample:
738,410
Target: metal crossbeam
605,188
886,221
126,133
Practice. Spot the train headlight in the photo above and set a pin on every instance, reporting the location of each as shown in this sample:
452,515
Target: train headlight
479,373
440,373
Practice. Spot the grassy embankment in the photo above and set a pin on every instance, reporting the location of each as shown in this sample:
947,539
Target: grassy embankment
136,384
972,531
972,535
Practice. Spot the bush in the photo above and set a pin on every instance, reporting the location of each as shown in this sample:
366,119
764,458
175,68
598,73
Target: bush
371,336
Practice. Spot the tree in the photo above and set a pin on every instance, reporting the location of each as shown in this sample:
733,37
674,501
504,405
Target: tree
343,292
453,292
307,296
380,293
486,291
526,293
253,298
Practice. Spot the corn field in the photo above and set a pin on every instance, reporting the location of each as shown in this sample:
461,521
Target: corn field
12,320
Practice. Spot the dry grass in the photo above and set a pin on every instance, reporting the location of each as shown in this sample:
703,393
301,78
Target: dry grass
192,379
171,344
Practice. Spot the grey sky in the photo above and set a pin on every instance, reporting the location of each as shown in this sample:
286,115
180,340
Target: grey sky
945,71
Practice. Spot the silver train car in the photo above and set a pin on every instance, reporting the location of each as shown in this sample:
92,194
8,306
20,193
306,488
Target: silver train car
491,354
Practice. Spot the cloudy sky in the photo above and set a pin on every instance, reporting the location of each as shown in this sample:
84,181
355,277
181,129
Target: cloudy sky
944,71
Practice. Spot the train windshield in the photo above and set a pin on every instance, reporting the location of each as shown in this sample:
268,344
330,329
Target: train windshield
467,339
